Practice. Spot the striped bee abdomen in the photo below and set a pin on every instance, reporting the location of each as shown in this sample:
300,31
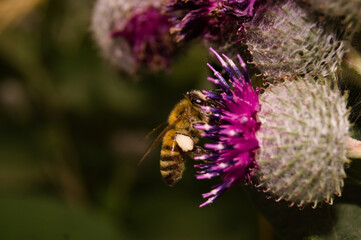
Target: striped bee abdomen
171,159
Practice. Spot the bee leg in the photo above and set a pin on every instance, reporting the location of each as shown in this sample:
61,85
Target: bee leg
199,123
198,151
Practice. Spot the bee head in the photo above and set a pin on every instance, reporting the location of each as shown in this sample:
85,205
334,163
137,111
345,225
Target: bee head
197,98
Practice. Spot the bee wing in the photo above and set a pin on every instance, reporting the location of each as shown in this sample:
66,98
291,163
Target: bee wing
153,131
158,138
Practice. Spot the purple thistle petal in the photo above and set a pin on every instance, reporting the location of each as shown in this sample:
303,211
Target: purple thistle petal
216,192
207,157
211,109
233,66
218,21
224,64
212,95
210,135
215,146
220,81
245,72
207,175
232,153
205,127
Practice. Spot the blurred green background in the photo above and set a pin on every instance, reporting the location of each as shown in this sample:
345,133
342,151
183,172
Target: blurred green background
71,130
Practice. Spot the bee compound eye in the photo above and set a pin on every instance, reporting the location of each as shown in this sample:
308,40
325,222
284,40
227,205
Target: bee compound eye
198,101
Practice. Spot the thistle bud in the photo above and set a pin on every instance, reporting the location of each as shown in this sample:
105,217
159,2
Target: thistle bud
303,141
285,42
133,34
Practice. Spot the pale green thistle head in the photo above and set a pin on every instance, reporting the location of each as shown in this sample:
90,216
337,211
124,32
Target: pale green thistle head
285,41
303,141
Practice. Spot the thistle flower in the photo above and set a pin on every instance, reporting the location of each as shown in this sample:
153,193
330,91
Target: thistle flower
132,34
285,42
232,155
303,141
293,138
216,21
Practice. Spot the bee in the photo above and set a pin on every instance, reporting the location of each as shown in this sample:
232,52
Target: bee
180,137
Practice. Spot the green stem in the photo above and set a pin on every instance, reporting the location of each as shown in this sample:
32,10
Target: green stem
351,67
353,149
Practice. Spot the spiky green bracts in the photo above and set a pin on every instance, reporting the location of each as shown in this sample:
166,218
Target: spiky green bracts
285,42
303,141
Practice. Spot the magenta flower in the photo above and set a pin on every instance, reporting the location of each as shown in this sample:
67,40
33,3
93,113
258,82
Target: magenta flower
147,34
133,35
214,20
233,128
